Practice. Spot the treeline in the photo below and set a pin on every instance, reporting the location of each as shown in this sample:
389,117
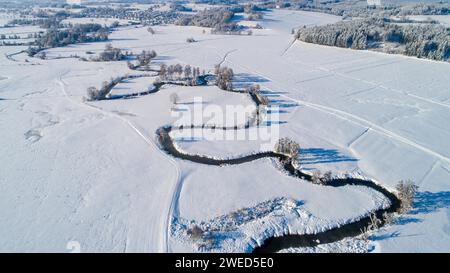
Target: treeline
423,9
177,72
41,22
430,41
80,33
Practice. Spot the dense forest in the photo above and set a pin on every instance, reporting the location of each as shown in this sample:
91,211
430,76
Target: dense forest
79,33
359,8
430,41
220,19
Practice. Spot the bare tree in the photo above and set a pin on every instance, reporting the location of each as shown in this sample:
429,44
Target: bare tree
187,71
92,93
217,69
373,226
163,71
316,178
388,218
178,69
288,147
224,78
406,193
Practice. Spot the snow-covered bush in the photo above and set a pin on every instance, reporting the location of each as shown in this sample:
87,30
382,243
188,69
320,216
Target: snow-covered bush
92,93
224,78
316,178
374,222
319,179
373,226
406,191
388,218
110,54
287,147
328,176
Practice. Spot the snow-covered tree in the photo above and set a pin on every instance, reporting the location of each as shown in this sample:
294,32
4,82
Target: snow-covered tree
406,191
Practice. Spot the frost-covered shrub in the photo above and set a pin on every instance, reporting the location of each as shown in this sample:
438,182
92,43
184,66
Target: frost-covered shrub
316,178
92,93
373,226
224,78
388,218
190,40
253,88
145,57
319,179
287,147
374,222
328,176
110,54
406,191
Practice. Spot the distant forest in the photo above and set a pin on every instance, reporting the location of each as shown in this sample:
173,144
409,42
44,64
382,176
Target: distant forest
431,41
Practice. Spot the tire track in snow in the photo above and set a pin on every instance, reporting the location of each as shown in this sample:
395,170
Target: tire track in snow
224,58
350,143
291,44
374,84
165,225
347,117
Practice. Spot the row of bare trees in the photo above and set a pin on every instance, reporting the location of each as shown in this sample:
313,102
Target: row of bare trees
185,73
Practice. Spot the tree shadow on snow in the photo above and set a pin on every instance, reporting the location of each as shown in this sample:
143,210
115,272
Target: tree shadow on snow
390,235
427,202
244,80
424,203
321,156
248,78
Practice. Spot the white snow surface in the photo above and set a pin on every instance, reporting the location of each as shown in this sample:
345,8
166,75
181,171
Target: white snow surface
92,172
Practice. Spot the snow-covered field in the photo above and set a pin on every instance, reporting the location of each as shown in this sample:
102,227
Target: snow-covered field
93,172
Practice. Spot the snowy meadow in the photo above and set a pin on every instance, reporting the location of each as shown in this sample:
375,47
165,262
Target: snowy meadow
171,158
